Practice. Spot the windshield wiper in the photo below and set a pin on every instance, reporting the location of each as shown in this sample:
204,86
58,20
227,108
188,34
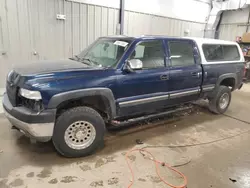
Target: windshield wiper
89,60
82,60
77,58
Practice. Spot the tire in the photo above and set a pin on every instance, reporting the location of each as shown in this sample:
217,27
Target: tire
214,103
82,121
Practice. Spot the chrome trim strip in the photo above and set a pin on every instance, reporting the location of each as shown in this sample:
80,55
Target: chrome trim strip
151,99
143,100
180,94
208,87
220,62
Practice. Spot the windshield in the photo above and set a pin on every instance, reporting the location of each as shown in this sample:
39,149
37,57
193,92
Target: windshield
104,52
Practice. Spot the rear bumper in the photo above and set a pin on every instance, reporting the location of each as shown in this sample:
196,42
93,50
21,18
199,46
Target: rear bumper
35,125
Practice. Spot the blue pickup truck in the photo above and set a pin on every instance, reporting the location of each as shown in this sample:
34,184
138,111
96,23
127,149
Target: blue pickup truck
117,79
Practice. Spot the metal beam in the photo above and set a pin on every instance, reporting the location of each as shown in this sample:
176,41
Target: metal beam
121,19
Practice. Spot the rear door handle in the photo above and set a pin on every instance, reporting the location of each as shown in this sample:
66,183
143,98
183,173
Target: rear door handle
164,77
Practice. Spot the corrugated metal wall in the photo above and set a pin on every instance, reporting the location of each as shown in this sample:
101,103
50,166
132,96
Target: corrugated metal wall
233,23
30,31
144,24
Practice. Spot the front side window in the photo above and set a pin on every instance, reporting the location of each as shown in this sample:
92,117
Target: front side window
151,54
181,53
104,52
217,52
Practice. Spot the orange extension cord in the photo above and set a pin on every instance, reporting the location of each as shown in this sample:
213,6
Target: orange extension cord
156,168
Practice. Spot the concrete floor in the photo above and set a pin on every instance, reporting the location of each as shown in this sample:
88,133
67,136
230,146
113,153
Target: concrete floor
37,165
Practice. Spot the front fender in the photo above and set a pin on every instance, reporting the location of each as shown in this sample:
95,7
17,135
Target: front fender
77,94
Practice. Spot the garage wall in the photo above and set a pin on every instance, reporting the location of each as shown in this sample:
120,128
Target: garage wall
233,23
157,25
29,30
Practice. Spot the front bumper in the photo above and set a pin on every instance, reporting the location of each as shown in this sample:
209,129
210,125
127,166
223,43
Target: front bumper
35,125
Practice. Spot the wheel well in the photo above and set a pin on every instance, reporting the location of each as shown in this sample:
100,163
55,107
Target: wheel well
229,82
99,103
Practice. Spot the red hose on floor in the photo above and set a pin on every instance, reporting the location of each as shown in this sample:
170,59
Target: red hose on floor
156,168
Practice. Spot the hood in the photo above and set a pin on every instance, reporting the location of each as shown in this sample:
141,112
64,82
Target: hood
49,66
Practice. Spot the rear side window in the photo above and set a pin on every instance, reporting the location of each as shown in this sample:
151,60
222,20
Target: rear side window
216,52
181,53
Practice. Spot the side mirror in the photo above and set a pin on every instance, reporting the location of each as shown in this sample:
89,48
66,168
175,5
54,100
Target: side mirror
133,64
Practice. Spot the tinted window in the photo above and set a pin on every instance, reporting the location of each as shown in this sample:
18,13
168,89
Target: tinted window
215,52
231,53
150,53
181,53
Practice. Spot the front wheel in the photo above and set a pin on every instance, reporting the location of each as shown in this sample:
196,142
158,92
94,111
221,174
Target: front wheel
220,102
78,132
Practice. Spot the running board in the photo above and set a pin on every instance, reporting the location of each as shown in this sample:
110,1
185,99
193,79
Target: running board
117,123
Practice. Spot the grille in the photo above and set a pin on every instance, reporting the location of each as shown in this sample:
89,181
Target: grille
11,87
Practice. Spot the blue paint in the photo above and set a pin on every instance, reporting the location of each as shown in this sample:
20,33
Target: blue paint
215,70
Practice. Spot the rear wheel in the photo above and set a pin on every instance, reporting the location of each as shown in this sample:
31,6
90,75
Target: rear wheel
220,102
78,132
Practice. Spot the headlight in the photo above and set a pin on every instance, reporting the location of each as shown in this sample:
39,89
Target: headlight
35,95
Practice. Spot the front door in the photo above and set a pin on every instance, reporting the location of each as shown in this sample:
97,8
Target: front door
144,91
185,73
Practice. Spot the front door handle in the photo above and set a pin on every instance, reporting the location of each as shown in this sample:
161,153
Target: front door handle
164,77
196,74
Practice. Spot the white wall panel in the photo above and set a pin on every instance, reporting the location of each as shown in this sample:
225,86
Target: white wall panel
229,32
105,3
98,22
4,37
111,20
68,35
83,20
75,27
104,22
143,24
13,29
180,9
237,16
23,24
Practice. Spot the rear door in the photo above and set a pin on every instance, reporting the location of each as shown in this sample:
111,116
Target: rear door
185,73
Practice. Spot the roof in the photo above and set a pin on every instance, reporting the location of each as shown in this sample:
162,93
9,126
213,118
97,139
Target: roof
209,41
138,37
196,39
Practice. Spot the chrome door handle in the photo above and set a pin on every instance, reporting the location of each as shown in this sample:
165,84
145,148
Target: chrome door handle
164,77
196,74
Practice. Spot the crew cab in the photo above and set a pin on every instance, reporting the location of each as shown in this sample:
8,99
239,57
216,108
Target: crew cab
116,80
